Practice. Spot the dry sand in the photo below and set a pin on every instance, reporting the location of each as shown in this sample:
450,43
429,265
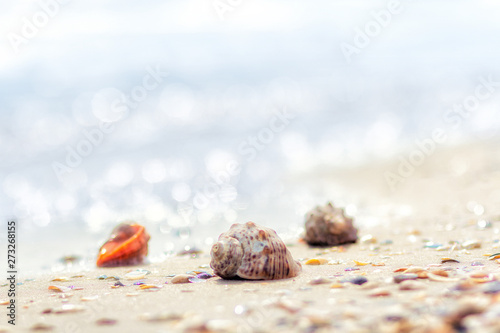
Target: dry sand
443,222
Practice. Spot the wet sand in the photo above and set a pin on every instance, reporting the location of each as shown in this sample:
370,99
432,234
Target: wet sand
448,209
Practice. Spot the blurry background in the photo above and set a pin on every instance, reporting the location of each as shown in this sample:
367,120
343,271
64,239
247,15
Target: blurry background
278,92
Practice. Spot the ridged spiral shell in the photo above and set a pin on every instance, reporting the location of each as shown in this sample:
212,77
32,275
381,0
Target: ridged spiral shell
329,226
253,252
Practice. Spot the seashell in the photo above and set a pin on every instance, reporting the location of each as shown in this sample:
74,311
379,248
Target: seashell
250,251
379,292
404,277
328,226
69,308
181,278
494,256
314,261
60,289
357,279
127,245
135,275
411,285
445,260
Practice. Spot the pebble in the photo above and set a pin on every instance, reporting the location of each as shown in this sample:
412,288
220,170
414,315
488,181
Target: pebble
106,322
350,269
411,285
42,327
432,245
135,275
181,278
204,275
477,263
158,317
379,292
492,288
358,279
195,279
319,280
403,277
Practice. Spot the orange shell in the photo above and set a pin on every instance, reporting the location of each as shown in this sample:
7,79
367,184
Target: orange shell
127,245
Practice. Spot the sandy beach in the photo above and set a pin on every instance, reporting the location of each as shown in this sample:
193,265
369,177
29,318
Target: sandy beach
430,269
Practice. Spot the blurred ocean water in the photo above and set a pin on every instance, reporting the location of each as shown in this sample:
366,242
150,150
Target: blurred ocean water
188,116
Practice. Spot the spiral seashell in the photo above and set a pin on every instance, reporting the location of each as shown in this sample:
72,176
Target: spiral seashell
329,226
127,245
252,252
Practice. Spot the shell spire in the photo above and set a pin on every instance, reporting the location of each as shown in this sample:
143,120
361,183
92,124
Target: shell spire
250,251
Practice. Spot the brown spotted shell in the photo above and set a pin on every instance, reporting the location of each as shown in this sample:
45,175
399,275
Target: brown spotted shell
329,226
252,252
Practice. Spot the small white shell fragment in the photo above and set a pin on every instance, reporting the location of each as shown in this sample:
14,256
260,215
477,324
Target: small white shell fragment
368,239
157,317
89,298
69,308
471,244
60,279
221,325
379,292
135,275
131,294
181,278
